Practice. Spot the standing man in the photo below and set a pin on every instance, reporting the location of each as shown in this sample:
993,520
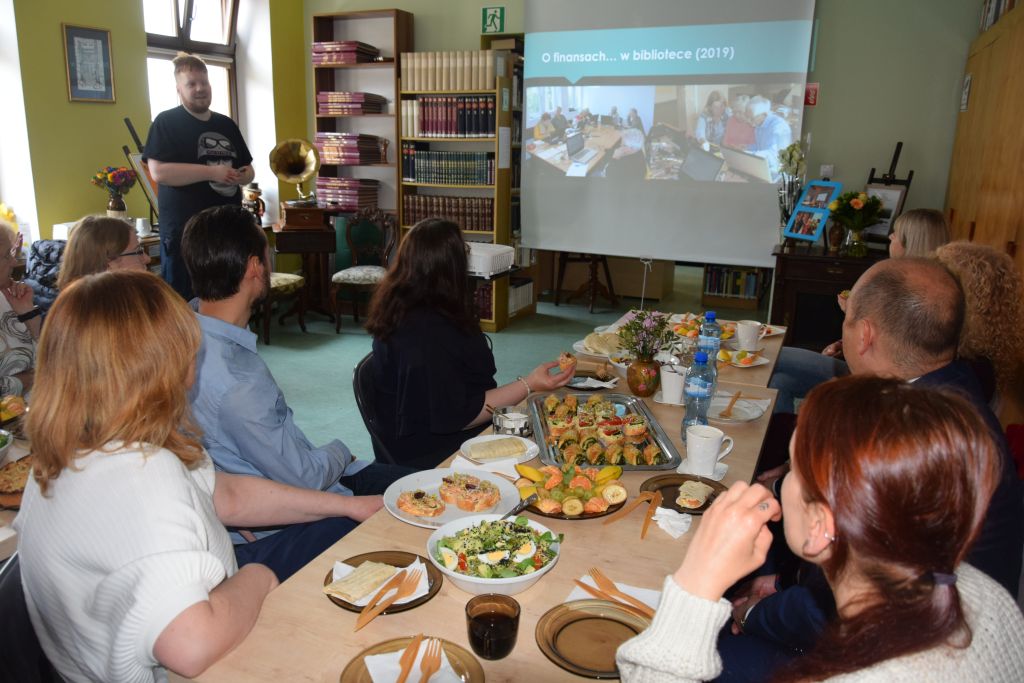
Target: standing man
199,159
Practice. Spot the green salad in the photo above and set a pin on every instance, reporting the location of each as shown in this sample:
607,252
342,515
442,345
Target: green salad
497,549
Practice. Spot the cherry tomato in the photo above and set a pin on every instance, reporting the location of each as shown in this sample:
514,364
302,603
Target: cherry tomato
462,562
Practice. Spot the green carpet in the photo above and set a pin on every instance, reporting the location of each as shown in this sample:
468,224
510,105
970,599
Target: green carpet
314,369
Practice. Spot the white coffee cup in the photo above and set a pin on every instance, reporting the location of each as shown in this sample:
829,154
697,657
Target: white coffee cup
705,446
142,227
673,379
748,334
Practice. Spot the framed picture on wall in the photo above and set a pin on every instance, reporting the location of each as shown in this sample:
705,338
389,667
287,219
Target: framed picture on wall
87,63
892,197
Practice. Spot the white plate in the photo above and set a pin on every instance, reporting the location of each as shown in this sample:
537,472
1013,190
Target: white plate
430,481
772,331
658,398
602,328
743,411
760,360
531,448
580,349
734,345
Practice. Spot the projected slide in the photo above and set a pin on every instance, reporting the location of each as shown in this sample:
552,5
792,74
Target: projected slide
653,127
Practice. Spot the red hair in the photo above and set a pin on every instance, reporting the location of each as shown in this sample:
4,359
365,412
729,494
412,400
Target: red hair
908,485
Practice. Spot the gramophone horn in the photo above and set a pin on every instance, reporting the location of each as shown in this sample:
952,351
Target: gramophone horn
295,161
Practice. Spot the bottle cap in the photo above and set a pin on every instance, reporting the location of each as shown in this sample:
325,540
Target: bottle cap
710,316
700,357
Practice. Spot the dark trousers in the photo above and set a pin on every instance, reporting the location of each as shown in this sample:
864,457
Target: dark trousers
172,266
294,546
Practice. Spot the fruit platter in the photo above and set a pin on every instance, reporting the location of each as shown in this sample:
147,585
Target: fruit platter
688,325
571,491
600,429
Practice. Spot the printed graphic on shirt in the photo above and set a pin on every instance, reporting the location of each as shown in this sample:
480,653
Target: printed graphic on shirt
216,150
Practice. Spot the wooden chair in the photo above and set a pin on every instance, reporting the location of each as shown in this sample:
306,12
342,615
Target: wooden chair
363,387
283,286
371,236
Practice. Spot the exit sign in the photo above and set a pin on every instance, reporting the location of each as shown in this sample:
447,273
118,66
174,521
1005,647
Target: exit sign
492,20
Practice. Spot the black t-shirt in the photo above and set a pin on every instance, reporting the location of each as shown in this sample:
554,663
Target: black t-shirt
178,137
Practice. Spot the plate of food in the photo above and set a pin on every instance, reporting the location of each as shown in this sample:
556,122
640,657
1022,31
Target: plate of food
567,635
433,498
771,331
13,478
373,570
598,430
600,344
742,359
462,661
489,447
688,493
571,491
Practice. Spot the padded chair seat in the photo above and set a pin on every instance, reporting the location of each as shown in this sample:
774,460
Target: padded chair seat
359,275
286,283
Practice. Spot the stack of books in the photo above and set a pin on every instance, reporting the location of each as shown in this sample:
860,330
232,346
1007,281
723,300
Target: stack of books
346,194
461,70
465,116
344,52
471,213
482,300
421,165
350,103
348,149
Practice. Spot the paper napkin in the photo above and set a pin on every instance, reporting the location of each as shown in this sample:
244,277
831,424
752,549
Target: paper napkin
386,667
646,595
673,523
341,570
505,466
592,383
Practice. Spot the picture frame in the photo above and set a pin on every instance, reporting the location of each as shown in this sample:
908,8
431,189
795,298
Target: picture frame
806,224
149,187
892,197
818,194
88,64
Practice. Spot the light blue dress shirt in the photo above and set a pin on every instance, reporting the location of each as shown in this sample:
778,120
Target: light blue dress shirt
247,426
773,135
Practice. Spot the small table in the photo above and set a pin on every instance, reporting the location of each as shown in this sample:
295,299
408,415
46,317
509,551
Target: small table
314,245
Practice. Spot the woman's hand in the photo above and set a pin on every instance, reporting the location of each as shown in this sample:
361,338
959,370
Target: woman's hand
731,541
19,296
540,378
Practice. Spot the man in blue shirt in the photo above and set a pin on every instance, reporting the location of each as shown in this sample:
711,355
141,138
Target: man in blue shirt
772,133
247,426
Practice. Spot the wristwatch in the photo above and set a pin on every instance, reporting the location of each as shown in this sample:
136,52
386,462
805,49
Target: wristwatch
28,315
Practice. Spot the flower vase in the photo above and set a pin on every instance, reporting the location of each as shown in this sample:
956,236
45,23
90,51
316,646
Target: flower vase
643,375
834,236
116,207
854,246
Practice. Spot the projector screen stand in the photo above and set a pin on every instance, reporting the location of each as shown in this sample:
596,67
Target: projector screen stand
593,286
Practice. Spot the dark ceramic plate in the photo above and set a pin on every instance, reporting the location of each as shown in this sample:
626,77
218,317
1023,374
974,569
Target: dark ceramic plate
396,558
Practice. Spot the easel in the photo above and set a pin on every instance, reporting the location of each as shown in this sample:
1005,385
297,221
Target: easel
889,179
153,219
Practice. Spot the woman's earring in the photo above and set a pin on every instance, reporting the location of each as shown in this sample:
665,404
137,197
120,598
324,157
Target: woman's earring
829,537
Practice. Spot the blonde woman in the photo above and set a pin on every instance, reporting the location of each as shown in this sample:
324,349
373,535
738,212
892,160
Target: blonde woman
125,562
918,232
20,320
993,334
99,243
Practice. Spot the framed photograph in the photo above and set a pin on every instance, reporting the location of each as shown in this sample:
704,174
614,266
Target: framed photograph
88,65
818,194
892,197
807,224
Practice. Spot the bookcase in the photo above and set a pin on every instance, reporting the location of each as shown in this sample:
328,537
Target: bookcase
456,149
733,286
343,83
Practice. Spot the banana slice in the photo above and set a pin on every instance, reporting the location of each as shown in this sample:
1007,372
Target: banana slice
614,494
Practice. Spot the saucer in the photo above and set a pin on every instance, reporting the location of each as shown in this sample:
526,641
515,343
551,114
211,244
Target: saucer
658,398
720,470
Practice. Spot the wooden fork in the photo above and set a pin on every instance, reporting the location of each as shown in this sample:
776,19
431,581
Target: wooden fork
732,402
407,587
431,661
609,587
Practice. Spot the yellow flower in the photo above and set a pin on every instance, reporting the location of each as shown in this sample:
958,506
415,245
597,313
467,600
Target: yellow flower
863,197
7,214
857,203
834,206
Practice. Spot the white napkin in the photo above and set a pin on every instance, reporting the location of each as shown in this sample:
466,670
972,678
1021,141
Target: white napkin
386,667
645,595
721,469
505,466
673,523
592,383
341,570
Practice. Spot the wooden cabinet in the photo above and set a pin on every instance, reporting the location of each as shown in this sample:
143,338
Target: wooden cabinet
807,281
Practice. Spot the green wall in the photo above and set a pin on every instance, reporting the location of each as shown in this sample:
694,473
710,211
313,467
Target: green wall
69,141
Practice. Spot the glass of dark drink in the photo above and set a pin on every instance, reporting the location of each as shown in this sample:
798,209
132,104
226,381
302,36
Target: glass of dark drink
493,622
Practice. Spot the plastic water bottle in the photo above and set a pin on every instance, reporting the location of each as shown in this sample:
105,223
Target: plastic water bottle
710,340
698,391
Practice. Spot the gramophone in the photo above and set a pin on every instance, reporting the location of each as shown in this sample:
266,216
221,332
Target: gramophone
296,161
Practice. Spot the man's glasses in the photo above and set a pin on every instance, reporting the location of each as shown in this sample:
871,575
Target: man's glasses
137,252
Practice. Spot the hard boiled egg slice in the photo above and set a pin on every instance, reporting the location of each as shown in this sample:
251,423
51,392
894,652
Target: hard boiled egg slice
526,550
493,557
450,559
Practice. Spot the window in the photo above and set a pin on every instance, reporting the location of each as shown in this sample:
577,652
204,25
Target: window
205,28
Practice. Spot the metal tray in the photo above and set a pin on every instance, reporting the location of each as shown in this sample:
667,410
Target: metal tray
549,454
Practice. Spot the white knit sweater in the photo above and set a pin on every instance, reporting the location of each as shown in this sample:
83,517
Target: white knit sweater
679,646
122,543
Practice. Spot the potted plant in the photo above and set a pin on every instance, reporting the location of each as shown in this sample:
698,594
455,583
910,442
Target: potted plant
855,211
643,334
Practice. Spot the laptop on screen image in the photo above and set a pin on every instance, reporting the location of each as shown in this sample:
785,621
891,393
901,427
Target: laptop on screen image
747,164
701,165
573,144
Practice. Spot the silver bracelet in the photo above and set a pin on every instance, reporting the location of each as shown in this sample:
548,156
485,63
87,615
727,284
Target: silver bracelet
525,384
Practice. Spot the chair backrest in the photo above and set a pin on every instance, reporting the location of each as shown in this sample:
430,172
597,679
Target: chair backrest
362,385
371,235
23,659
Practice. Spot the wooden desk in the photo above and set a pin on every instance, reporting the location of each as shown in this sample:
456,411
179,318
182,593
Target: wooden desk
598,138
315,247
302,636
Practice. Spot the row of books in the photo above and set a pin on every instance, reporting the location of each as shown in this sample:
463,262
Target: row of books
993,10
343,103
482,300
735,282
344,52
463,116
421,165
348,148
459,70
346,194
472,213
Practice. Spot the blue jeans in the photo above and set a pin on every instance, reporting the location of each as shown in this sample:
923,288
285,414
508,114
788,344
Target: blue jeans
294,546
798,371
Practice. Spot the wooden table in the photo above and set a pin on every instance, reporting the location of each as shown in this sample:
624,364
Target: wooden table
302,636
599,138
315,247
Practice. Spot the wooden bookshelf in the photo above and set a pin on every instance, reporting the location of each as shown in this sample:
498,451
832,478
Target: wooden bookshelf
734,286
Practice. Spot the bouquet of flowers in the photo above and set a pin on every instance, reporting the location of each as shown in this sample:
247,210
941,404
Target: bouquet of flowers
855,210
116,181
645,333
